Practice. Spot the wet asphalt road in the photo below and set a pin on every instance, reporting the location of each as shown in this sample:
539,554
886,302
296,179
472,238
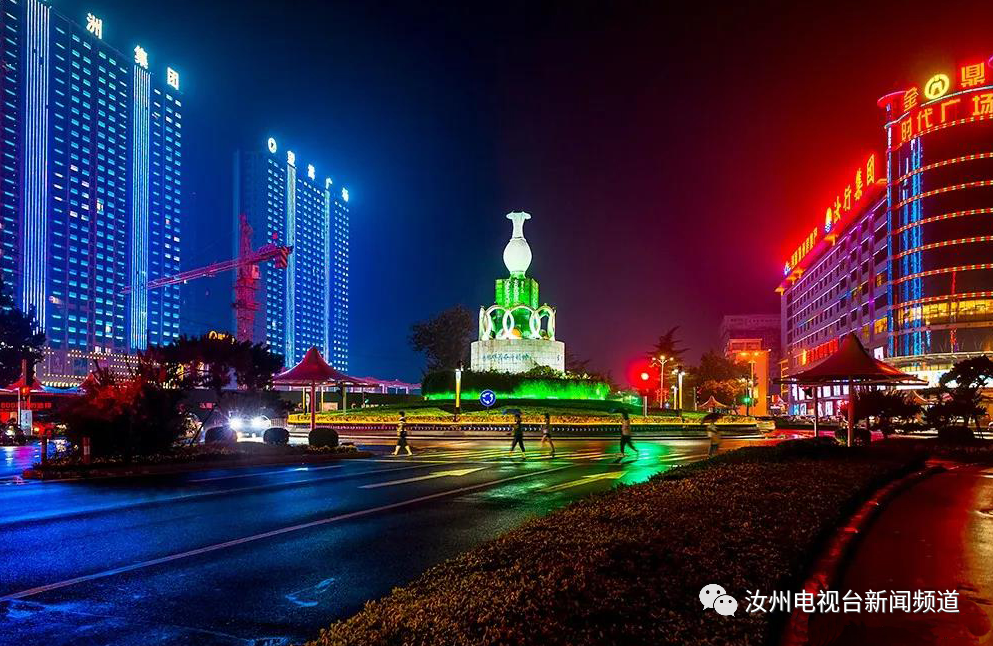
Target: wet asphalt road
269,555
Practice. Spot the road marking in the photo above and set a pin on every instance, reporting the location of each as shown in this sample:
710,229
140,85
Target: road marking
200,494
673,458
610,475
270,534
268,473
437,474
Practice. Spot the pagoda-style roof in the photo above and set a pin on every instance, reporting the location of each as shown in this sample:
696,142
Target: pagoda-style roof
712,404
851,363
313,369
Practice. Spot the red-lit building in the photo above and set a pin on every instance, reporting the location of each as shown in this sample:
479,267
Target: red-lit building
904,255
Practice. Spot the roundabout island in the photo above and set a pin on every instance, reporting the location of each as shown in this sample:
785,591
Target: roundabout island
518,366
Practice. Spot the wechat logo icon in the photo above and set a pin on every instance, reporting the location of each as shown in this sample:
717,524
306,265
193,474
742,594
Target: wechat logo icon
715,597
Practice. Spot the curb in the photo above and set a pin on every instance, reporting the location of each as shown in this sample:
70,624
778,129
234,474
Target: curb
824,572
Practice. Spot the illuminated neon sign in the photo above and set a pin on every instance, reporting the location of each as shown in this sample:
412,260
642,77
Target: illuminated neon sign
863,181
934,106
94,25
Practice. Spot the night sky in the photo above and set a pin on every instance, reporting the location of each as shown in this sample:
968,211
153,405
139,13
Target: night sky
670,160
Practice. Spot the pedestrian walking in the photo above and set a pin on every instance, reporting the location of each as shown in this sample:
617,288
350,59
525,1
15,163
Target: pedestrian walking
546,434
402,435
626,433
715,437
518,436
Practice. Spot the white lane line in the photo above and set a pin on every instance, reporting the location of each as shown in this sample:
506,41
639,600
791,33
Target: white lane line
437,474
264,535
269,473
200,494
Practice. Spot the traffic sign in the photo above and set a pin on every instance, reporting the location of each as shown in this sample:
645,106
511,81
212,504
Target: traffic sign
487,398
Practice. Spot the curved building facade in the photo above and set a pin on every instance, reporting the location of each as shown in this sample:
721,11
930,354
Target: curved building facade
940,207
904,255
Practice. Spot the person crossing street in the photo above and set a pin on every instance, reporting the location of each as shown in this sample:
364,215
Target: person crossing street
402,435
518,436
546,433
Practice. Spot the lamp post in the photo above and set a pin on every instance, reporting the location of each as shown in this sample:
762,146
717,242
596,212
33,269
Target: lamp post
660,360
458,392
679,372
751,379
673,395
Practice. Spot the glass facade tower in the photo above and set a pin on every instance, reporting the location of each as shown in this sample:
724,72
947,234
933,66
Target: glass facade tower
90,149
306,304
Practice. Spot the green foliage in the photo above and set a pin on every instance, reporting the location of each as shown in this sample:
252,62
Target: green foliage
124,416
539,383
955,434
322,436
18,338
975,372
445,338
276,435
220,435
883,406
668,346
215,361
718,377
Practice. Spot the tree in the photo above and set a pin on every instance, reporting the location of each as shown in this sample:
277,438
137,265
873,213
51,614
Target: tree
718,377
138,413
965,400
19,338
575,365
884,406
444,338
668,346
214,362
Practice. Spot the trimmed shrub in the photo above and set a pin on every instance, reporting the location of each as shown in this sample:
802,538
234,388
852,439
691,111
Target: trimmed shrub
537,384
955,434
276,435
860,436
323,437
220,434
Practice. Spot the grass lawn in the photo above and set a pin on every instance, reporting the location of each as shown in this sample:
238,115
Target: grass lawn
625,567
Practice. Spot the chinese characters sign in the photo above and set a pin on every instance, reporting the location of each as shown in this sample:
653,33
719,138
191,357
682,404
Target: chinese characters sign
863,181
943,100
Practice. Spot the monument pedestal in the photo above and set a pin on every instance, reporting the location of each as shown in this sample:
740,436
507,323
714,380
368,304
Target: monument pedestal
517,355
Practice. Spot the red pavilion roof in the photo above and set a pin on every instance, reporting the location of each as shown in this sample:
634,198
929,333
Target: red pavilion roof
313,369
852,362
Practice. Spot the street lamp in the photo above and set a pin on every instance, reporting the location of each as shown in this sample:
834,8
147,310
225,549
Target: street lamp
458,392
679,372
751,379
660,361
673,395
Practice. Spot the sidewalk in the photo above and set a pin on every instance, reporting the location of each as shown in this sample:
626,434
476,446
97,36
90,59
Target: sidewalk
937,535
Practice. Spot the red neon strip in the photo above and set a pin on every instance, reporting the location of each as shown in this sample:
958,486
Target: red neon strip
944,243
944,216
954,187
942,126
935,272
947,162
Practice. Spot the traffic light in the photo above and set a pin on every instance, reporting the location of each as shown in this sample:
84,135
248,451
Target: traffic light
746,400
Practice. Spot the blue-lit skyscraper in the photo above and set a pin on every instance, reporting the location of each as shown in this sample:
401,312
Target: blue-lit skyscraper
305,304
90,152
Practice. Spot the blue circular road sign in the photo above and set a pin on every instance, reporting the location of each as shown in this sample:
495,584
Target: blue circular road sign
487,398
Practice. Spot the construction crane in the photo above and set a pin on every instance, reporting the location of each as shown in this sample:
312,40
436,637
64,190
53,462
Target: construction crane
247,282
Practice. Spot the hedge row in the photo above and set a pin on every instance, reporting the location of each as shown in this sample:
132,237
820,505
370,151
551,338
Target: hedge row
626,567
443,381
